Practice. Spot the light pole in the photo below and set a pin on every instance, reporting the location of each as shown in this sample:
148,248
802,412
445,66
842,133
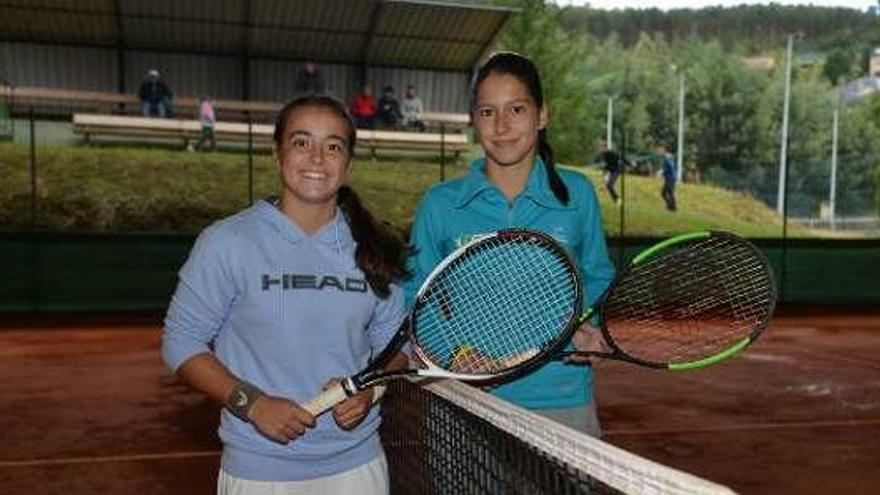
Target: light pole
832,189
783,146
609,124
679,159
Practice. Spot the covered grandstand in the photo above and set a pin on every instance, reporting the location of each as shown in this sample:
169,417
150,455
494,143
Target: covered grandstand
247,49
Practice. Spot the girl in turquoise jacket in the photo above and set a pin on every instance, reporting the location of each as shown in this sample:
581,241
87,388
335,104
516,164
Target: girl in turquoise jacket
517,184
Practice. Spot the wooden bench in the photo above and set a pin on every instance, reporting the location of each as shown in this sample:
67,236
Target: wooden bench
187,130
451,121
453,143
107,101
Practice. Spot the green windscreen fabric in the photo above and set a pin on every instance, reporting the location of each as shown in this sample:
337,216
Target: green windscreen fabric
839,272
806,270
74,273
95,273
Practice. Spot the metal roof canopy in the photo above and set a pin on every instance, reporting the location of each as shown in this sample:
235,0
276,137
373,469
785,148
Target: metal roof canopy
392,33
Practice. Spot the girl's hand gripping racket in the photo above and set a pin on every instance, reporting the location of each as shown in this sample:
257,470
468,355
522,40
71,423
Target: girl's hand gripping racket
493,307
688,302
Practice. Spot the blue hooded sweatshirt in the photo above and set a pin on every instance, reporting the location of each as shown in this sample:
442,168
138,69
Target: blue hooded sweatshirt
287,312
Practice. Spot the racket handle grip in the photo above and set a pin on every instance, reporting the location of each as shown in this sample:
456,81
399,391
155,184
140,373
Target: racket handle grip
326,400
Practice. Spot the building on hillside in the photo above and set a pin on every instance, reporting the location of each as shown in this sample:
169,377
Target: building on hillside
874,63
853,91
762,63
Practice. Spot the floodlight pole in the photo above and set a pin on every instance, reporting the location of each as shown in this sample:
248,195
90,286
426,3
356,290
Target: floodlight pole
832,189
33,171
679,161
609,124
783,147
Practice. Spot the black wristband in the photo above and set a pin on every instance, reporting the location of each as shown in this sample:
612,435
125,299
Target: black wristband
242,398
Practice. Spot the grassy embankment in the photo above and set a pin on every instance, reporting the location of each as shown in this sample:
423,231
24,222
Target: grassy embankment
126,189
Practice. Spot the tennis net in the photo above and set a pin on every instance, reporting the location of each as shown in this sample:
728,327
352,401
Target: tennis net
450,438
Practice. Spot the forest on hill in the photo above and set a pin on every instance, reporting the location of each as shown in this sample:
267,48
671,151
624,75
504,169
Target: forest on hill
750,28
733,113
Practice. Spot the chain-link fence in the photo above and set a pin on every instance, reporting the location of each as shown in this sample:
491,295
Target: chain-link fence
105,223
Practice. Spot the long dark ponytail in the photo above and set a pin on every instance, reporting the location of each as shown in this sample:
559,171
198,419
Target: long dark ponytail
526,72
381,253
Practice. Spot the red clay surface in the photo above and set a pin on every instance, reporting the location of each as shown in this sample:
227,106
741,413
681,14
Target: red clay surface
88,408
799,412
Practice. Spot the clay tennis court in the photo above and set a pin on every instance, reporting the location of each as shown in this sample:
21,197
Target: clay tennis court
88,408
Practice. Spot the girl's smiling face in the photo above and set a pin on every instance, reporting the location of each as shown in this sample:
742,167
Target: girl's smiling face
507,120
313,156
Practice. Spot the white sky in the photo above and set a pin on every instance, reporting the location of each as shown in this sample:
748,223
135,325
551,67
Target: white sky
696,4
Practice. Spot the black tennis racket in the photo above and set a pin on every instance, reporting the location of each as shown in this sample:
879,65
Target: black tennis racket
685,303
492,308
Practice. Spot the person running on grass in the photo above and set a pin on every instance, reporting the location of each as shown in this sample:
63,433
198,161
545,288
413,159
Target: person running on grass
613,166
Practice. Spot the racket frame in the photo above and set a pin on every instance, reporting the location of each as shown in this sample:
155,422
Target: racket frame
619,354
374,374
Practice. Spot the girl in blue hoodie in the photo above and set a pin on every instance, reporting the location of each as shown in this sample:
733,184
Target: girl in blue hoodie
276,301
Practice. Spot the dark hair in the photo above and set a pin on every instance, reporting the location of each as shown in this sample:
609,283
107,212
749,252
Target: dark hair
381,253
525,71
314,100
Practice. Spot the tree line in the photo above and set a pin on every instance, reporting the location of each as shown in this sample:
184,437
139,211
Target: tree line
749,27
733,112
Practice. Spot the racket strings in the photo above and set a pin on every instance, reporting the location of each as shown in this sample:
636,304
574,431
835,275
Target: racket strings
690,303
499,304
486,285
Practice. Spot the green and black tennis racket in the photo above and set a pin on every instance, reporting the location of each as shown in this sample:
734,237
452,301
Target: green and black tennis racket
685,303
512,299
493,307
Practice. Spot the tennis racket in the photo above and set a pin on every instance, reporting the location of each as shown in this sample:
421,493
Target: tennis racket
685,303
492,308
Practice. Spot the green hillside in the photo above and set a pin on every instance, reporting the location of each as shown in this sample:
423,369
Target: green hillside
115,189
699,207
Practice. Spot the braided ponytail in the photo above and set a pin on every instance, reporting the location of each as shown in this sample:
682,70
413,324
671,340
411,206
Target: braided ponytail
546,154
381,254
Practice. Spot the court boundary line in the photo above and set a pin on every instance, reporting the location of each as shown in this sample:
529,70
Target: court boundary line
609,432
743,427
108,459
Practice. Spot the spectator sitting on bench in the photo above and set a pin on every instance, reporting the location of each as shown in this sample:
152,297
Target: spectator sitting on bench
389,108
364,109
412,109
155,96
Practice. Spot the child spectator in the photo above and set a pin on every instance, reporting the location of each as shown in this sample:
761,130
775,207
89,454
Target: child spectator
207,117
